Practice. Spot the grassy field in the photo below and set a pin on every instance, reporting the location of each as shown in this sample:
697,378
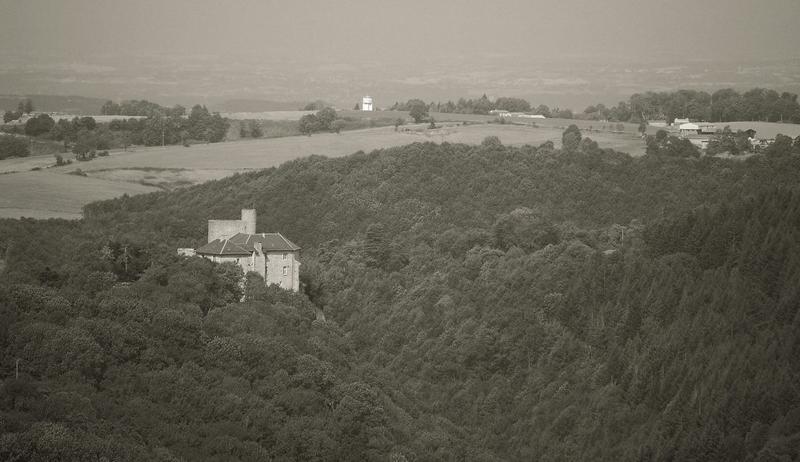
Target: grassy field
764,129
32,187
24,164
268,115
49,194
262,153
53,192
350,113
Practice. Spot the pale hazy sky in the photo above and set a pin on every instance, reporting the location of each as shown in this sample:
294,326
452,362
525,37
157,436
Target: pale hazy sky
560,52
346,30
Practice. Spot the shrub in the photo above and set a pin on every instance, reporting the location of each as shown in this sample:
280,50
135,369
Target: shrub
13,146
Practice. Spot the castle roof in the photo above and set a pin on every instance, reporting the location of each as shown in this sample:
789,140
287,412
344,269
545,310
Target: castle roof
222,247
244,244
270,242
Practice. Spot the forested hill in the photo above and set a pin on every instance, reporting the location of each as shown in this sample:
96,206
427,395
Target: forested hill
482,303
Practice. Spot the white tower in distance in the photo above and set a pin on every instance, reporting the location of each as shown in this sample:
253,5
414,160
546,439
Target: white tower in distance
366,103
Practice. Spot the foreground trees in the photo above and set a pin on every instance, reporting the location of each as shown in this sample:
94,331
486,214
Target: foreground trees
481,303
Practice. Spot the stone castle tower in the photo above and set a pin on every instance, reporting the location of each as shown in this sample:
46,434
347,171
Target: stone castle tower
271,255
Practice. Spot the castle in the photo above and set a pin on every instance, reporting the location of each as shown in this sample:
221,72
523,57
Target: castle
271,255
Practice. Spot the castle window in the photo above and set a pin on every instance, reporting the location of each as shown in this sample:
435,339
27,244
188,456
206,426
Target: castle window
285,270
285,255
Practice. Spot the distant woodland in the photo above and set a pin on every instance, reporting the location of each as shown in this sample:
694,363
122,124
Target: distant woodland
482,303
150,124
727,105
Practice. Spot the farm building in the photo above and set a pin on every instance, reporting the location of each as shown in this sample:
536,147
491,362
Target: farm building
366,104
270,255
697,129
707,129
679,122
689,128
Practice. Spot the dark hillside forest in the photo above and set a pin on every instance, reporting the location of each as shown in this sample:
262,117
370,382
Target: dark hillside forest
482,303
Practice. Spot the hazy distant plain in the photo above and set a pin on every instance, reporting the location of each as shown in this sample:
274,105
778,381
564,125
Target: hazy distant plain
567,82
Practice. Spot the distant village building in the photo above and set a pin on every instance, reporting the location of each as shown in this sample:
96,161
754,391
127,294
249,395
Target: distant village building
521,115
707,129
689,128
760,143
270,255
366,104
697,129
679,122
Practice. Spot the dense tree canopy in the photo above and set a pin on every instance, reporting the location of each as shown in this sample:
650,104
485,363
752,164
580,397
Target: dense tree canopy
38,125
481,303
417,110
325,119
13,146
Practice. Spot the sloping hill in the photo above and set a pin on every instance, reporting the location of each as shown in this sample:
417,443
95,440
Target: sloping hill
158,165
482,303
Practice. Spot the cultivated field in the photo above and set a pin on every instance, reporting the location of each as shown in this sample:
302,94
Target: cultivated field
350,113
764,129
53,192
267,115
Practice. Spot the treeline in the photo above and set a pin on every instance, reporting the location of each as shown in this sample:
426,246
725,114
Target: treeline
41,127
482,303
154,125
13,146
724,142
484,105
171,127
726,105
163,125
25,106
142,108
326,119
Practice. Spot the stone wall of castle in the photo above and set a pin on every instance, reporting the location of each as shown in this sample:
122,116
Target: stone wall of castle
283,269
224,229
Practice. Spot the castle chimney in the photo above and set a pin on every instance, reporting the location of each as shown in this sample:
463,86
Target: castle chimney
249,219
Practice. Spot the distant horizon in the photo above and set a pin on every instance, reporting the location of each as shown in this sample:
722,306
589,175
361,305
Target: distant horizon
572,54
223,103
